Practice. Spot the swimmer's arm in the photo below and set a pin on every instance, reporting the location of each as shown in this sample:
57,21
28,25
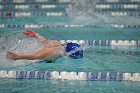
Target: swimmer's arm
36,55
26,56
41,38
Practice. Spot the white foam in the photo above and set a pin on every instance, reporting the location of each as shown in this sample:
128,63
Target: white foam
19,44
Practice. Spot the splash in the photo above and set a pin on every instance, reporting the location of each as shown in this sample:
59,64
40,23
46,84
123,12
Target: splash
17,42
85,12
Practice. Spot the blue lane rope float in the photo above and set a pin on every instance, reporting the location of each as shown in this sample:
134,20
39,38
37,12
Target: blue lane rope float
29,14
34,6
105,42
98,6
67,1
35,1
52,75
130,13
29,26
118,1
117,6
121,13
129,26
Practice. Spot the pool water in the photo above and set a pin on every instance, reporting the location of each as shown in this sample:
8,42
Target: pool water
96,26
58,86
95,59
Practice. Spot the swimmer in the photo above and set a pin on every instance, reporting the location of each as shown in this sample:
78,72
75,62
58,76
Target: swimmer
52,50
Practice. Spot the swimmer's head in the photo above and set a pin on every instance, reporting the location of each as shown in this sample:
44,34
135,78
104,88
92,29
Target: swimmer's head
74,50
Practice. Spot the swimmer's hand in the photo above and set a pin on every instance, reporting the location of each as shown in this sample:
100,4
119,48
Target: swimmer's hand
29,33
11,55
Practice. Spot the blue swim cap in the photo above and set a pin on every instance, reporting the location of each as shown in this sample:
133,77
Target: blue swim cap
71,47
